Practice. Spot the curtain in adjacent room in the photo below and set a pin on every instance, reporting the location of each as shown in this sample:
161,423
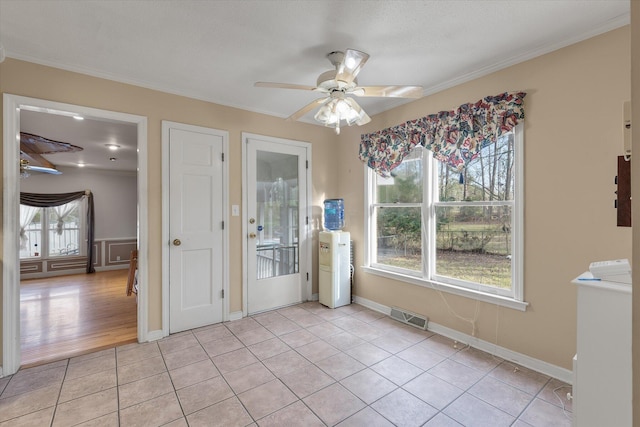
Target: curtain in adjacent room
26,216
61,212
455,137
53,200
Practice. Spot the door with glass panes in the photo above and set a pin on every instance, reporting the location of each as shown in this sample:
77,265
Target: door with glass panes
276,212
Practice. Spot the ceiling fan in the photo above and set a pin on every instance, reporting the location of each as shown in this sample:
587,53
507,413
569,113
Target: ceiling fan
32,147
337,85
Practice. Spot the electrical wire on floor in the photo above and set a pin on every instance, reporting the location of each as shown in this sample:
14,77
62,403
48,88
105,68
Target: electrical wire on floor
451,311
515,367
564,408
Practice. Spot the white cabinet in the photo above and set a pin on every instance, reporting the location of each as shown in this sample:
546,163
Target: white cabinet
602,366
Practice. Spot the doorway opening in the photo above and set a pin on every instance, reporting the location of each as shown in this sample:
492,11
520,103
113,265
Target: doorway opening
110,255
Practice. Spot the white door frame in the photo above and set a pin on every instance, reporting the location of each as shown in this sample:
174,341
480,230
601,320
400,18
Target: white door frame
166,240
305,229
11,214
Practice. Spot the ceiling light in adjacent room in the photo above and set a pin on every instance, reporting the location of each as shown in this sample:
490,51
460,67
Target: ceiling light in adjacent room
112,147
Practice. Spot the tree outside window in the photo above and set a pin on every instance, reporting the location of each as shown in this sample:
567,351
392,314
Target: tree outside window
442,225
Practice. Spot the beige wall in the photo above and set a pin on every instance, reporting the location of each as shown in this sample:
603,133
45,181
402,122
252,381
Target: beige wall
31,80
573,135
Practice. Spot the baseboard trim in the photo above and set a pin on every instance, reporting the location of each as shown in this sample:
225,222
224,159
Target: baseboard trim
236,315
314,297
1,372
155,335
541,366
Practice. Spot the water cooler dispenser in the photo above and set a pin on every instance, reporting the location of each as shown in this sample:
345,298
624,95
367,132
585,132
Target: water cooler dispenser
334,268
334,257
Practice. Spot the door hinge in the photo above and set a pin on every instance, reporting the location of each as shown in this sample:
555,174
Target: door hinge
307,163
222,292
307,220
223,157
223,225
307,277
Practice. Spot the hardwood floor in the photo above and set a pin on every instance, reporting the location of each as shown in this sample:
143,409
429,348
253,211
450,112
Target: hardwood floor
67,316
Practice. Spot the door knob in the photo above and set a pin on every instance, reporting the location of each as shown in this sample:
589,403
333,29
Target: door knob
252,235
177,242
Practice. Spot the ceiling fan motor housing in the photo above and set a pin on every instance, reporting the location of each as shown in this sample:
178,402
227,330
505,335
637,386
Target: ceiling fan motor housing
327,82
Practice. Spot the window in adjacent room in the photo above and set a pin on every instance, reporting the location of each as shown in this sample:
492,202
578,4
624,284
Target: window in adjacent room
52,232
433,225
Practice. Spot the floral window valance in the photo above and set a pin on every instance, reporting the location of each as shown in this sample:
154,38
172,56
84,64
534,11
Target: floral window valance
455,137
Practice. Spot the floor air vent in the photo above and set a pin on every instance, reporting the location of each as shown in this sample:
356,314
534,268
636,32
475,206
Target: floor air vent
409,318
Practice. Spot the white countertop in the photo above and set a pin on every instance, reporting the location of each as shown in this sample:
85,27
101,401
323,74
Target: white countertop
587,279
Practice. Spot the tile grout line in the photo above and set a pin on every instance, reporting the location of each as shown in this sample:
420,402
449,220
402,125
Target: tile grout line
55,406
173,386
346,318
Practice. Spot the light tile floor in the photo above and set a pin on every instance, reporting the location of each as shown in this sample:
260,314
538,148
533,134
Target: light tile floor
305,365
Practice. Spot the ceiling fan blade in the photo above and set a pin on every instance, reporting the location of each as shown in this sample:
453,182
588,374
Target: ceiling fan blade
310,106
284,86
43,170
351,64
389,91
35,159
41,145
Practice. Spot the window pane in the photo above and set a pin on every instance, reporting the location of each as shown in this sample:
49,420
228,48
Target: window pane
64,229
277,201
405,184
30,231
473,243
487,177
399,237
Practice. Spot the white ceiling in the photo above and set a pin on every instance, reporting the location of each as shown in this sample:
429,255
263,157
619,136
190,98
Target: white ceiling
216,50
92,134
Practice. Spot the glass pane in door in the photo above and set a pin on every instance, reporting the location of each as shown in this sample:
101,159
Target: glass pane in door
277,202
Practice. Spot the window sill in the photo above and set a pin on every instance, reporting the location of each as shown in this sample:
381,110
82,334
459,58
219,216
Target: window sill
452,289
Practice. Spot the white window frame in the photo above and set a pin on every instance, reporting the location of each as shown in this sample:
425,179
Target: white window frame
511,299
44,233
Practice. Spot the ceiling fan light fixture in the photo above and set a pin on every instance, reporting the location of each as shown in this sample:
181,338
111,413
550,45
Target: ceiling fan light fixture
337,83
338,109
24,173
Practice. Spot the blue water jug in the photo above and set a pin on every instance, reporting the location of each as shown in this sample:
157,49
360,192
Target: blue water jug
334,214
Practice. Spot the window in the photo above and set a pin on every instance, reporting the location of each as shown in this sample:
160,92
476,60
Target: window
456,231
52,232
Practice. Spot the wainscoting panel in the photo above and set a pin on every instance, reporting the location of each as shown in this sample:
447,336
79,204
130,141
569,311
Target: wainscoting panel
109,254
118,253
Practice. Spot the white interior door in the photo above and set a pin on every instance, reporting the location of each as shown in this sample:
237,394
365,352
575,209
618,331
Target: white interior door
196,214
276,222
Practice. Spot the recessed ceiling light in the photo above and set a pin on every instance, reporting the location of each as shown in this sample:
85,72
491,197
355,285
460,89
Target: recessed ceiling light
113,159
81,165
78,117
112,147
